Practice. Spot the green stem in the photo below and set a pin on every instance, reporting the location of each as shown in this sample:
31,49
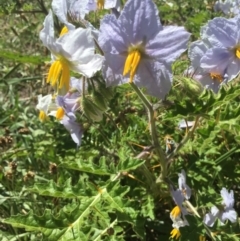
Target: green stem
151,182
153,131
83,86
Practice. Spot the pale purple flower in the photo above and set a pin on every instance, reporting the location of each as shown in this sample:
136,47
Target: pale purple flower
182,185
226,212
223,6
69,102
139,49
178,213
64,112
75,129
178,198
228,7
76,84
224,55
209,78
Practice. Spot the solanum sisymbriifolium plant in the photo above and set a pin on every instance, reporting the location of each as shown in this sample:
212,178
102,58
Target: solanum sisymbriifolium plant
154,117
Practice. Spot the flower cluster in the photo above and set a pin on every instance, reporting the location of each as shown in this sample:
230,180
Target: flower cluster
137,49
63,108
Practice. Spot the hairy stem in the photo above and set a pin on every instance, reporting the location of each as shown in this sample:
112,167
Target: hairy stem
153,131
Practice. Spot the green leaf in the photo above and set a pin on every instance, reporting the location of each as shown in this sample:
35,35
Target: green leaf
129,164
18,57
81,189
89,167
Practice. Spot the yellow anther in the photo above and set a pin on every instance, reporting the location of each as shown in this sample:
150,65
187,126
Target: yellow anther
60,113
59,68
100,4
63,31
202,238
65,76
42,115
132,63
175,233
176,212
54,73
127,66
216,76
237,53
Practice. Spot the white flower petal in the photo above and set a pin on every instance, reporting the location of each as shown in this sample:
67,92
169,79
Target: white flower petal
112,4
215,211
47,33
44,103
228,198
60,8
91,67
78,9
229,214
209,219
185,189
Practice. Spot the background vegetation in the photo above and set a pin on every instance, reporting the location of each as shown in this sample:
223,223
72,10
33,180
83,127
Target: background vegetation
50,190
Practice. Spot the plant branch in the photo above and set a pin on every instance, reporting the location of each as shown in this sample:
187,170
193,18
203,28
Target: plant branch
153,131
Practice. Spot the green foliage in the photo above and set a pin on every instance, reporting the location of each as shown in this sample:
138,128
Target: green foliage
106,189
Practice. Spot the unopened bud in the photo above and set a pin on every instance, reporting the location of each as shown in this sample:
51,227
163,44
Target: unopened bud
106,92
192,86
99,100
91,110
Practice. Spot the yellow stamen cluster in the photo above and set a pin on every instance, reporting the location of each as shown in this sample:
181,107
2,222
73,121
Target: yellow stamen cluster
63,31
175,233
132,63
59,70
60,113
216,76
202,238
42,115
237,52
100,4
176,212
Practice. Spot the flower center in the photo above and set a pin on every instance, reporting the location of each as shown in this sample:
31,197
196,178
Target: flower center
60,113
42,115
216,76
132,63
175,233
175,212
237,52
59,68
63,31
100,4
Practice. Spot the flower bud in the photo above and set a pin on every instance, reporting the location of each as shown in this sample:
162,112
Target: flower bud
99,100
91,110
107,93
192,86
